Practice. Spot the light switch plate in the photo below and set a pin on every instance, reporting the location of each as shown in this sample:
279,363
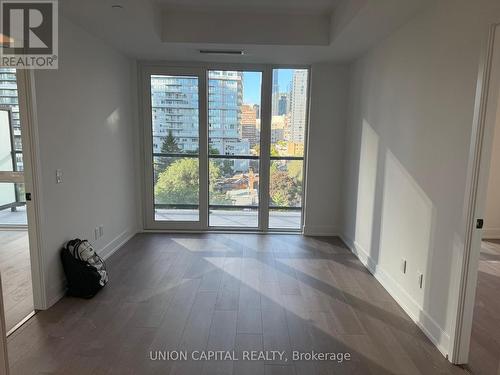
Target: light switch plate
59,176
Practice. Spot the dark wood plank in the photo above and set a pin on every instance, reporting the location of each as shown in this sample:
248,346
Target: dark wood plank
232,291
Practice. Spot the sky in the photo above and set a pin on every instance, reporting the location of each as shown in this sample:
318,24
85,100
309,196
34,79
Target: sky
253,80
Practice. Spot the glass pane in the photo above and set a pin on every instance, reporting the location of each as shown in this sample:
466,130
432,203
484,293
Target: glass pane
175,117
285,187
9,99
175,129
233,192
176,188
284,219
289,112
234,217
12,204
234,112
234,182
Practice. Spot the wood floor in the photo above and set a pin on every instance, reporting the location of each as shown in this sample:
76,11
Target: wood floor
16,276
484,355
228,292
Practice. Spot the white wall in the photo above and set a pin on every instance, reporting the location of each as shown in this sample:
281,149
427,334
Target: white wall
328,117
412,101
492,209
85,125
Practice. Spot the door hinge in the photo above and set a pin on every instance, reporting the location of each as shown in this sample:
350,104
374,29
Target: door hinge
27,196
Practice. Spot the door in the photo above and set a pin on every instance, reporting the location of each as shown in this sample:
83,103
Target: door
15,256
175,195
234,145
4,359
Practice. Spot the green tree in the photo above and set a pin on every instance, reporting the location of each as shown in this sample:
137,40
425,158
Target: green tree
284,190
169,146
294,168
274,151
179,183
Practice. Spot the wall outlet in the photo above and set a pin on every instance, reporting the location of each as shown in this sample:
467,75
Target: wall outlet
96,233
403,265
101,230
420,280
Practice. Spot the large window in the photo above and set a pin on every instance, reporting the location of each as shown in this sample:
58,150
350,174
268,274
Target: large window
234,148
288,125
175,124
225,152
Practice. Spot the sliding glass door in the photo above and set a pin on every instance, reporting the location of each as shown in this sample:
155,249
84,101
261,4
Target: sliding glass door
233,148
224,148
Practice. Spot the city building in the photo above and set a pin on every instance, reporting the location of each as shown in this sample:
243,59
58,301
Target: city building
283,107
256,107
298,106
9,99
249,124
175,110
275,94
278,128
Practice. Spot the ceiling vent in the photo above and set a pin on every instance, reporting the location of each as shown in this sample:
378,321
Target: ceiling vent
222,52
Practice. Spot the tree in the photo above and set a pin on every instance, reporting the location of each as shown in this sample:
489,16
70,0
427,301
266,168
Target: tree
294,168
169,146
284,190
274,151
179,183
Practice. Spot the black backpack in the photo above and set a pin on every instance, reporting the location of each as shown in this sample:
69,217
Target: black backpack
84,279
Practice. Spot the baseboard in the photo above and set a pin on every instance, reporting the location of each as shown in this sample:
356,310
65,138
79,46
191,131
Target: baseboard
439,337
116,243
57,292
491,234
320,230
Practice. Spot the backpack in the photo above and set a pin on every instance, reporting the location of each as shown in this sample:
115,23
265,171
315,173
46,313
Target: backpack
85,270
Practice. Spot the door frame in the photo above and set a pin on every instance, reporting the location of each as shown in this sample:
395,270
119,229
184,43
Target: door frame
4,357
487,98
32,180
145,68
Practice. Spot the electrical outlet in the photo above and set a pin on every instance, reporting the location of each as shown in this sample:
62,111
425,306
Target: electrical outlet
420,280
101,230
96,233
403,265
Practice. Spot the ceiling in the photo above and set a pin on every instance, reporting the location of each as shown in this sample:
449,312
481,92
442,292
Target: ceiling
286,31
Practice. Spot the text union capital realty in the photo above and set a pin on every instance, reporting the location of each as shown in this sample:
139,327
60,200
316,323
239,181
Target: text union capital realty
245,355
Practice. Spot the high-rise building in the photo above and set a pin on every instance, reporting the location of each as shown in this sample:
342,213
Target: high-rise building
249,124
9,99
283,104
225,97
278,128
256,108
298,104
276,93
175,110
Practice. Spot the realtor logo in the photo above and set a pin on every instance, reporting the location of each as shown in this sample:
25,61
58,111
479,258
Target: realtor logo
29,34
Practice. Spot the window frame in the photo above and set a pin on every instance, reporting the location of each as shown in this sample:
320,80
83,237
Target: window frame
200,70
